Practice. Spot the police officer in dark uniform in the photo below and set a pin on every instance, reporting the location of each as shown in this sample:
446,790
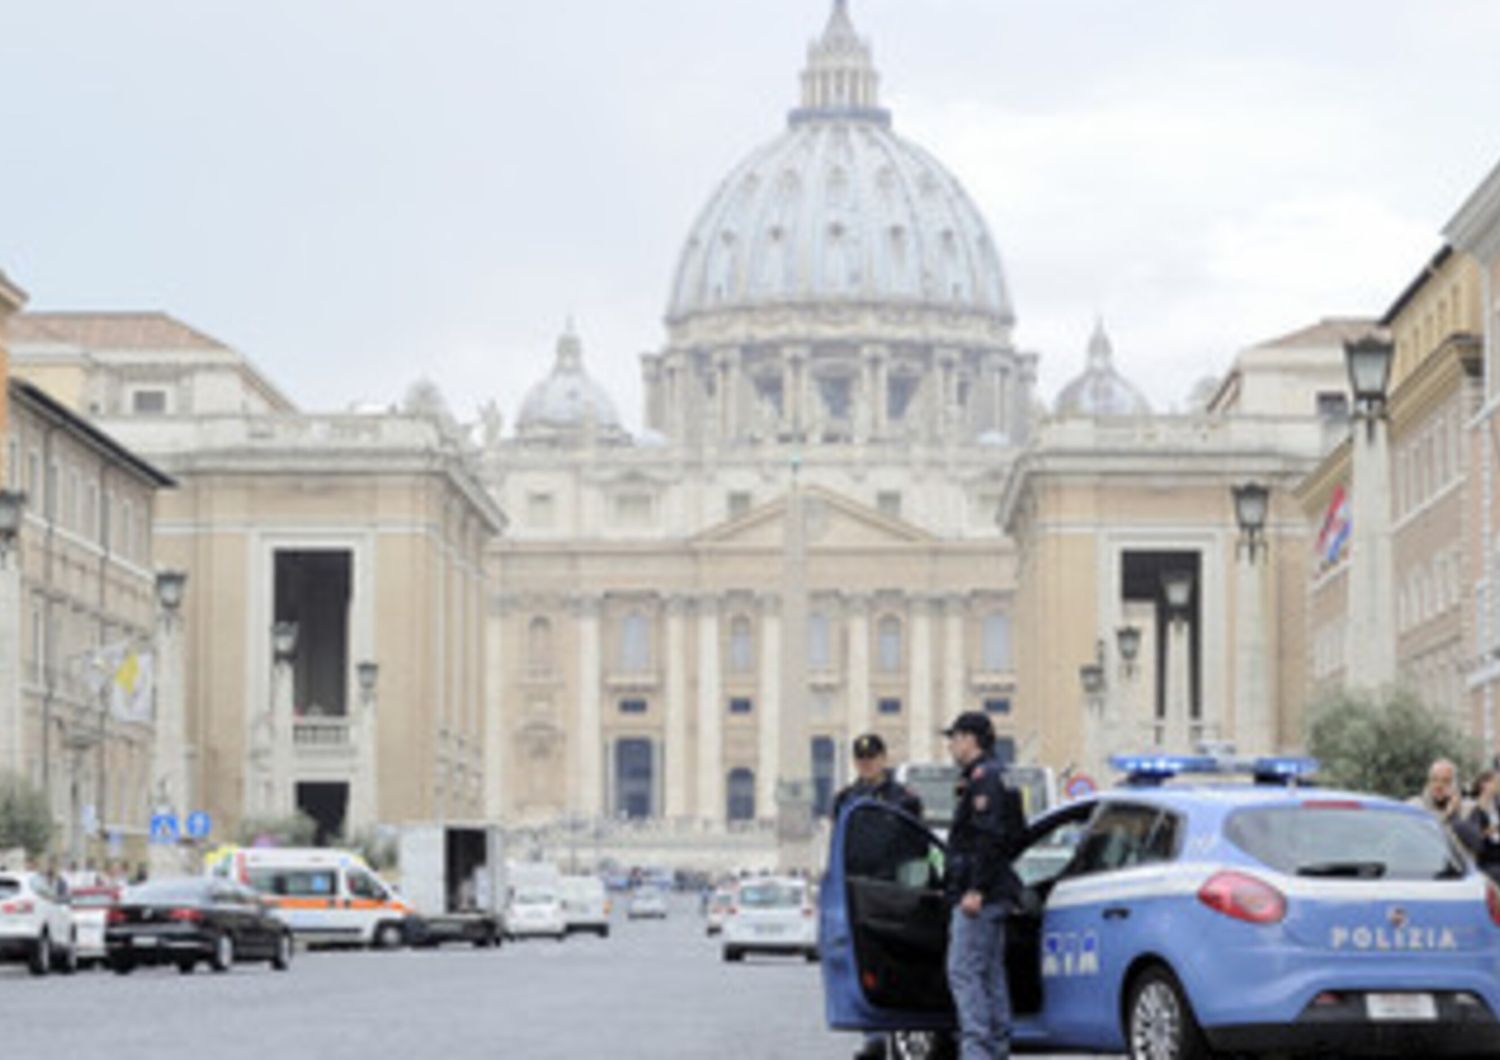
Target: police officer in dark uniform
873,779
988,829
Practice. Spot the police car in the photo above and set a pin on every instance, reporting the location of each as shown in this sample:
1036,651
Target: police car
1185,921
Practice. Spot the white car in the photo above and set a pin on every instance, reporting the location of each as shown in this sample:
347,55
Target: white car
771,915
647,902
536,911
585,905
719,904
36,924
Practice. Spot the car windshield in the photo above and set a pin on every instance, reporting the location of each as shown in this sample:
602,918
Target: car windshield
535,898
723,899
1352,841
167,892
771,895
92,899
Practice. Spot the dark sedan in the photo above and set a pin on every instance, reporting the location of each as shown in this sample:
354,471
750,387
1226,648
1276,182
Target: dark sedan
191,921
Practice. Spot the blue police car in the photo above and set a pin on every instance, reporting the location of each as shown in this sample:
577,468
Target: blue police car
1175,921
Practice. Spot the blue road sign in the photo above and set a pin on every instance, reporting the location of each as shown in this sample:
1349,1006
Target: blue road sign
165,829
198,825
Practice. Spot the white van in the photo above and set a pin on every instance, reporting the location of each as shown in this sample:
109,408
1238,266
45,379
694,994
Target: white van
323,895
585,905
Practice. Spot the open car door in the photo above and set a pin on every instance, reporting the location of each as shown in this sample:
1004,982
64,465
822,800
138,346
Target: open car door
883,924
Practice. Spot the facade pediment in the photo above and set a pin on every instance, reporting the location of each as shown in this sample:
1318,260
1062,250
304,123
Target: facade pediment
833,520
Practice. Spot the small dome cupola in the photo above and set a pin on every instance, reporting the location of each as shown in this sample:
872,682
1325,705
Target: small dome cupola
1101,390
568,403
840,79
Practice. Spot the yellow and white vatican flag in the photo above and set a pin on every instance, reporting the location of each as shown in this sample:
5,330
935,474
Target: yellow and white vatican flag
132,687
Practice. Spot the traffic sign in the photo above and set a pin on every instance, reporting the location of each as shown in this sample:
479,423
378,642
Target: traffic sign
198,825
1079,785
165,829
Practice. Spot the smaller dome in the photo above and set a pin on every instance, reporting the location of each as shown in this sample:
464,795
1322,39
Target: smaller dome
1101,390
567,401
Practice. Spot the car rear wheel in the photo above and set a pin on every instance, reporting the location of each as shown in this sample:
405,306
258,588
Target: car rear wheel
388,936
41,955
1159,1022
282,960
921,1045
223,955
66,961
187,967
121,965
733,955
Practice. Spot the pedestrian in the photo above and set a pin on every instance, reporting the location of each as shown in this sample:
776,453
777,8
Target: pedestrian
982,887
1484,823
873,779
1442,796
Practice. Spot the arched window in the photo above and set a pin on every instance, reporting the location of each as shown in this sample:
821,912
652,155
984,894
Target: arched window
819,642
889,647
539,646
741,646
635,644
996,642
741,789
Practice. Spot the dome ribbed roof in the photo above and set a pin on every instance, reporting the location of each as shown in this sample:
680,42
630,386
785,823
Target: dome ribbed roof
840,209
1101,390
567,400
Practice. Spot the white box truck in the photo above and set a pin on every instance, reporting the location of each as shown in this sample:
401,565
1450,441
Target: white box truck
455,876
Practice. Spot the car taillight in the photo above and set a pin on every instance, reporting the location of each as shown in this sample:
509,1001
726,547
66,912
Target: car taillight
733,910
807,910
1492,901
21,908
115,916
1243,897
186,915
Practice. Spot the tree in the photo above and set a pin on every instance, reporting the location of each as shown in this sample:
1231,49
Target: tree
293,830
25,818
1383,743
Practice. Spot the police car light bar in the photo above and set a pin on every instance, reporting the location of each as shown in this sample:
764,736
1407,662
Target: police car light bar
1143,769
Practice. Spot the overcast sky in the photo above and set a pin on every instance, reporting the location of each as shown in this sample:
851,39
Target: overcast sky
358,194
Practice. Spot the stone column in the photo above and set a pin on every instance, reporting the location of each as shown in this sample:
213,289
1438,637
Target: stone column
768,732
710,803
953,657
496,725
676,750
876,358
588,735
724,388
12,753
1254,725
1024,390
282,736
921,729
1371,652
858,663
170,787
1179,685
365,811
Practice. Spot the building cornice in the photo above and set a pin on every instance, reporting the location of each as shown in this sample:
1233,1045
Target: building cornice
1436,378
12,298
1476,225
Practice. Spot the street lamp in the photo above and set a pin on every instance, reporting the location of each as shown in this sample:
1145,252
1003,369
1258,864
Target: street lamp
1368,360
1177,585
11,505
1128,641
1252,504
368,673
171,585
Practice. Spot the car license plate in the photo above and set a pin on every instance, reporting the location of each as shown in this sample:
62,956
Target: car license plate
767,929
1401,1007
143,941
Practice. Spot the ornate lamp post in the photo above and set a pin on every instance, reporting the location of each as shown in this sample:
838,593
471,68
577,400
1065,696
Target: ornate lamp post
271,739
1370,655
170,748
1254,726
1094,681
367,732
1177,589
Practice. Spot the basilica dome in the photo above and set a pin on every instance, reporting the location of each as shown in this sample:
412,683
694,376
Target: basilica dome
567,401
839,209
1100,390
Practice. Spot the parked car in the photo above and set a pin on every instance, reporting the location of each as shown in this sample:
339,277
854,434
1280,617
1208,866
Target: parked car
192,921
91,906
647,902
536,910
719,905
36,924
772,915
1186,921
585,905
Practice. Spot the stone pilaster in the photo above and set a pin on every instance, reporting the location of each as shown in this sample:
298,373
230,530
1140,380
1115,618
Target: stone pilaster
676,751
858,663
953,657
710,795
768,732
587,738
922,730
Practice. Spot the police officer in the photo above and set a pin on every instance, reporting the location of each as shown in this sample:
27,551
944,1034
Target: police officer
982,888
873,779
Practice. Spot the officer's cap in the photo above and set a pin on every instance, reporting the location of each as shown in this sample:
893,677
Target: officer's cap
975,723
869,745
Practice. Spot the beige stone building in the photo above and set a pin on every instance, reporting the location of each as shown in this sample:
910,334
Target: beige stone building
335,600
79,722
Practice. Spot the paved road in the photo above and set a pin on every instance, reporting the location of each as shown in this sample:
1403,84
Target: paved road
654,989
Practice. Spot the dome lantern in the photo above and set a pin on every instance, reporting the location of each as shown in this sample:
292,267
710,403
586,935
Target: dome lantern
1101,390
840,79
568,404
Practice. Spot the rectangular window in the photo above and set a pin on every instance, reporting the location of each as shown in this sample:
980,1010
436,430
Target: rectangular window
739,504
997,705
148,402
1333,404
888,503
632,706
540,510
741,705
1005,750
889,705
13,464
34,475
633,510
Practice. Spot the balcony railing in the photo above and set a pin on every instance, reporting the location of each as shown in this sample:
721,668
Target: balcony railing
322,732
